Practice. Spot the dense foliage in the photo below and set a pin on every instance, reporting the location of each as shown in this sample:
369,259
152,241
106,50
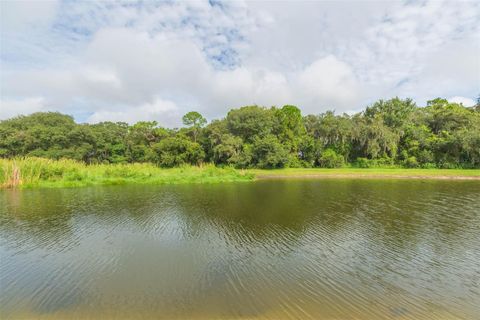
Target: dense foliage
388,133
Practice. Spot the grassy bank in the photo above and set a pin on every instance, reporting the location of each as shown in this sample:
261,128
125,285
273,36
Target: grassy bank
37,172
464,174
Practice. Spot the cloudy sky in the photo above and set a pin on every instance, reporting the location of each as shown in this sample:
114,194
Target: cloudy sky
129,61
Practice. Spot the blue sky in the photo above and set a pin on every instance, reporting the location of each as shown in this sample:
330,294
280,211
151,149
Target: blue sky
131,61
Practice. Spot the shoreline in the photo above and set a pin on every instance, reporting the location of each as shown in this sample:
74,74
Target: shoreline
44,173
368,173
32,173
362,176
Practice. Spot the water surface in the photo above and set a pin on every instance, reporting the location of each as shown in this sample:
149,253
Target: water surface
314,249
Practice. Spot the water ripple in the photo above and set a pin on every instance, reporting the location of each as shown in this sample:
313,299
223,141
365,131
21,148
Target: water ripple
333,249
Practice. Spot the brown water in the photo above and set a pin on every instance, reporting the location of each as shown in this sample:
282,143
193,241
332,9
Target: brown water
316,249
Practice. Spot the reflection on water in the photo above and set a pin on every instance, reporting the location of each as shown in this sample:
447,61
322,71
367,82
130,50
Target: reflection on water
326,249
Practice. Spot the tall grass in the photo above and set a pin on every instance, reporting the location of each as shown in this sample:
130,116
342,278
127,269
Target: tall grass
31,172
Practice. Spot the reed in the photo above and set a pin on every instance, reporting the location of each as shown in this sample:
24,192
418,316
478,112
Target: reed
32,172
11,174
39,172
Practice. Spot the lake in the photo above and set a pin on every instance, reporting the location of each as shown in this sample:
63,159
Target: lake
283,249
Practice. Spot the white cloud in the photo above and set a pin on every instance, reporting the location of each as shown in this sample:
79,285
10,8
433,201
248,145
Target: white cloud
10,108
162,111
420,50
26,15
149,65
243,86
101,60
467,102
328,83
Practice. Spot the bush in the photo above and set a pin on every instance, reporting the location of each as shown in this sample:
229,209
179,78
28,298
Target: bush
228,150
374,163
268,153
330,159
384,162
295,162
448,165
429,165
243,159
411,162
425,156
178,151
362,163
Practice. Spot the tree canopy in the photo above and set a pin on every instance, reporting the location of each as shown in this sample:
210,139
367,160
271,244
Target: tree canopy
195,121
388,132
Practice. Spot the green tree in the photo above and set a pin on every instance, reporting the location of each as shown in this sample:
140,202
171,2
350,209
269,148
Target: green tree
176,151
110,142
395,131
373,139
395,112
331,131
196,121
250,122
290,130
268,153
228,150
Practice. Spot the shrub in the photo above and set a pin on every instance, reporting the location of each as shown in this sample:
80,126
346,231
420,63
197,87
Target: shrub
294,162
374,163
429,165
448,165
330,159
411,162
176,151
425,156
268,153
362,163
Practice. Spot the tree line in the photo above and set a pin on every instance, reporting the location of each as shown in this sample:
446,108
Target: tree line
391,132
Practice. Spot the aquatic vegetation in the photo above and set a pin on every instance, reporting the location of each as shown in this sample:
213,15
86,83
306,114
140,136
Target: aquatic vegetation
32,172
40,172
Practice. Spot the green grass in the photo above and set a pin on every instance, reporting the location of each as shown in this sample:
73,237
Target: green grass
364,172
37,172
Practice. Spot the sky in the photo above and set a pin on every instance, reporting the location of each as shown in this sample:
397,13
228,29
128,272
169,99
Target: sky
142,61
